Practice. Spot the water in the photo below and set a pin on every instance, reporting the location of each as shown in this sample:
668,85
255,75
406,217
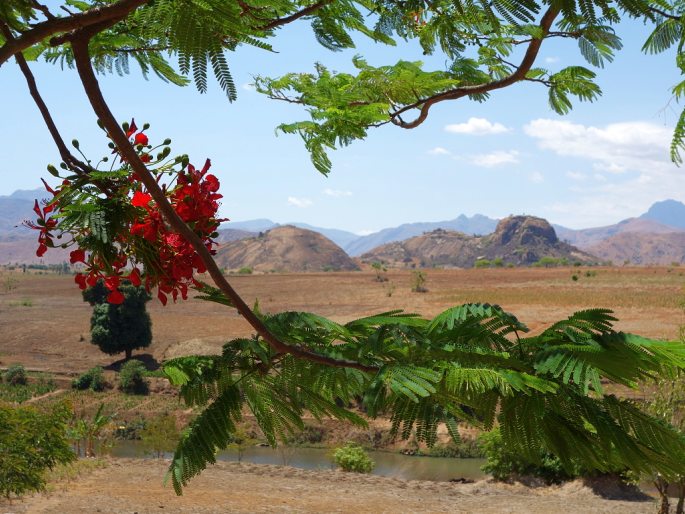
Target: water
387,464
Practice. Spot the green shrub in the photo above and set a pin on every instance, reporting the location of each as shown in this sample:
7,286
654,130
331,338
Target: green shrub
159,435
92,379
132,378
31,442
481,263
15,375
418,282
353,457
505,464
245,271
465,449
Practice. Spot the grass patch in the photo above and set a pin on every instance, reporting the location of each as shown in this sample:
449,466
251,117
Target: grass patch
40,385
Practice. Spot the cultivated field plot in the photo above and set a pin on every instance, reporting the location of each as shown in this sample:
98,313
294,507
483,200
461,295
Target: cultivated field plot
44,324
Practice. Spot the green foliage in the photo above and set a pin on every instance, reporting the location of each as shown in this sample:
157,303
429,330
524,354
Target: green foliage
245,271
31,443
119,328
40,385
550,262
464,449
354,458
159,435
469,364
92,379
506,465
15,375
482,263
132,378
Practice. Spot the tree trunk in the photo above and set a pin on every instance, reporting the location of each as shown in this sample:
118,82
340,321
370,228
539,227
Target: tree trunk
129,352
662,487
681,496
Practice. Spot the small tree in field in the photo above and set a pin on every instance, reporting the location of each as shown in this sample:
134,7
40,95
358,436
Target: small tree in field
123,327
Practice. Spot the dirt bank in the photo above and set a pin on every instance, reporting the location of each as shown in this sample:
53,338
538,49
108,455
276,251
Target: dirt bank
135,486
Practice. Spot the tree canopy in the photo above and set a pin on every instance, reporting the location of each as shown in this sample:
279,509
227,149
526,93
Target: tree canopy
472,363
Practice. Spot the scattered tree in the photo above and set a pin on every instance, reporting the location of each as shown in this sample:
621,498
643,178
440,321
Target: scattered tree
119,328
159,435
418,282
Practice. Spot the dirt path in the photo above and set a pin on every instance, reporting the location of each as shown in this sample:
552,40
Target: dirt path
35,399
135,486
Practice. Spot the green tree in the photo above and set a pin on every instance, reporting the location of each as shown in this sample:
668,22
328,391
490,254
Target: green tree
31,443
471,363
119,328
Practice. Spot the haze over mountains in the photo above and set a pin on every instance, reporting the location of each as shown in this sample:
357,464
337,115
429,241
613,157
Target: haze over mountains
655,237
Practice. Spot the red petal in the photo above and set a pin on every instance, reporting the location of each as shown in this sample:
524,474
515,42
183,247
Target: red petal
140,199
115,297
132,128
80,279
41,250
134,277
48,188
162,297
140,139
77,256
36,209
207,165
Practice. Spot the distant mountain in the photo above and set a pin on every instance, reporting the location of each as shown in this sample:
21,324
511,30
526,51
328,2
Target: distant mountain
585,238
477,224
27,194
517,240
668,212
285,248
340,237
258,225
227,235
640,248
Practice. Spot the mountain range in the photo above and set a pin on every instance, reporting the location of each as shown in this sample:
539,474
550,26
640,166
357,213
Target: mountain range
655,237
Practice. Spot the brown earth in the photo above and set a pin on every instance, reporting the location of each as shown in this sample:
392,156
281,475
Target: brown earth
636,248
517,240
135,486
44,324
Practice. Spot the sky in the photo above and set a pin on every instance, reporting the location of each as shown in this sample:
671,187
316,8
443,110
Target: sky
603,162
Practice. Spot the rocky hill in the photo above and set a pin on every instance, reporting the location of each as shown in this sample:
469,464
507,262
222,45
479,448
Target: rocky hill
668,212
285,248
587,237
639,248
517,240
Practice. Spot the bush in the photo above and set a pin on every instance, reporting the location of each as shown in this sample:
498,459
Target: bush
15,375
353,457
245,271
31,442
92,379
159,435
418,282
465,449
132,378
505,464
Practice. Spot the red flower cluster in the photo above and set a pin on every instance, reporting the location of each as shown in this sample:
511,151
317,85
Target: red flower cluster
195,200
143,249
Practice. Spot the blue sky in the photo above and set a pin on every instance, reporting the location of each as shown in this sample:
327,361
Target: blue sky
603,162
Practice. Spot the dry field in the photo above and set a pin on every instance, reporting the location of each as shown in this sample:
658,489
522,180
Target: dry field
44,324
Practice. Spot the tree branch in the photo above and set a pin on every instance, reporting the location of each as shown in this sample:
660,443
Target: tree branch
113,13
79,43
295,16
526,63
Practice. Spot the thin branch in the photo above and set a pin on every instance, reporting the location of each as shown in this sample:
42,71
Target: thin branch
79,43
663,13
110,13
520,74
295,16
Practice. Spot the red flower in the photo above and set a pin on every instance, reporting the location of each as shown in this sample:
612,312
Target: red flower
132,128
146,157
134,277
140,139
140,199
115,297
80,279
77,256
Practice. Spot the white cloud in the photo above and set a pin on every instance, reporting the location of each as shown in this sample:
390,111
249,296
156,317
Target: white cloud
477,127
247,86
631,163
576,175
536,177
337,193
299,202
439,150
365,232
497,158
615,148
552,59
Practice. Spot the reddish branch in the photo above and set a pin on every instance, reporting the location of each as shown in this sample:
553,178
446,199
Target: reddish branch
453,94
79,43
41,31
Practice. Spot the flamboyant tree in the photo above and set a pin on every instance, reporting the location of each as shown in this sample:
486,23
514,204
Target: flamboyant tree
151,219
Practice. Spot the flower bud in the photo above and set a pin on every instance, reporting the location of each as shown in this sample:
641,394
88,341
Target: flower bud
53,171
75,143
62,165
167,141
146,126
100,124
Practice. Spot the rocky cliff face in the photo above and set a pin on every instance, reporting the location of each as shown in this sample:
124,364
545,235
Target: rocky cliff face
517,240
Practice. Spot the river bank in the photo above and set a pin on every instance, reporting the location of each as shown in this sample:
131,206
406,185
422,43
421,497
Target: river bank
136,486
